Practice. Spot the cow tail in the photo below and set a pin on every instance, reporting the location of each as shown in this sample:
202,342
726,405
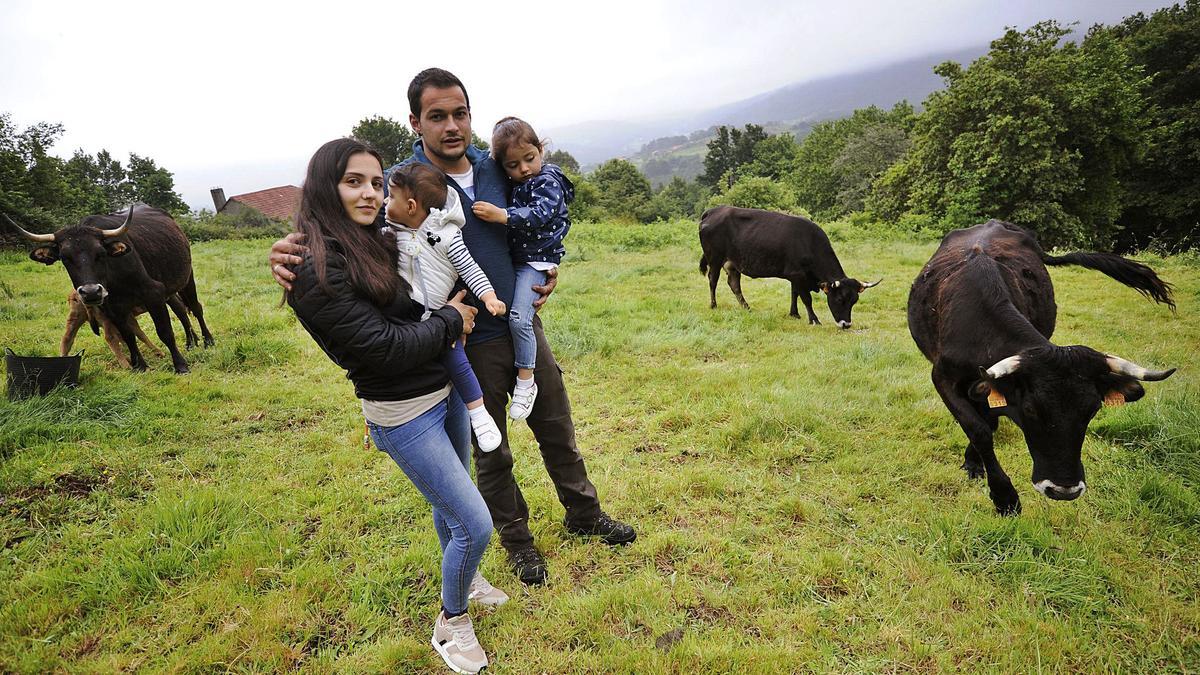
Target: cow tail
703,264
1133,274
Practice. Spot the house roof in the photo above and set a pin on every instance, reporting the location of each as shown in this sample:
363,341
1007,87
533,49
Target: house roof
277,202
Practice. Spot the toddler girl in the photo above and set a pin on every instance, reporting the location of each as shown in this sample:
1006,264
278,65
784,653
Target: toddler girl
537,222
432,258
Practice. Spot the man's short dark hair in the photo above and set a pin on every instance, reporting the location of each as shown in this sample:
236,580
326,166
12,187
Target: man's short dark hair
436,78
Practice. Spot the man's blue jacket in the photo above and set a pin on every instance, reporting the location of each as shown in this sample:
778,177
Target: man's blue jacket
487,242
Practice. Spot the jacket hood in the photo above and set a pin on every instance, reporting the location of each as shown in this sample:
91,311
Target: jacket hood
448,218
568,186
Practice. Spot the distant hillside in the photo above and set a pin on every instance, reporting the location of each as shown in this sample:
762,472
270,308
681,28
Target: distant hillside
683,156
795,107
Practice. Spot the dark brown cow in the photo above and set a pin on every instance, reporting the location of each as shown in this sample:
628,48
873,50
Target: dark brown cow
125,261
982,311
768,244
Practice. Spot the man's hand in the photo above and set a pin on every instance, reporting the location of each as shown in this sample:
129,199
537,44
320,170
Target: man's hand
468,312
490,213
286,251
546,289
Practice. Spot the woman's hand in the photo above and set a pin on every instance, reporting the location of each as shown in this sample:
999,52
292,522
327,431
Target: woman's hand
286,251
490,213
468,312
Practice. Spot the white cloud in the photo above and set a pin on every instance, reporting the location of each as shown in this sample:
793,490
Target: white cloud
248,90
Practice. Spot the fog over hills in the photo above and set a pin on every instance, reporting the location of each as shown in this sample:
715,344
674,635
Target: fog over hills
810,101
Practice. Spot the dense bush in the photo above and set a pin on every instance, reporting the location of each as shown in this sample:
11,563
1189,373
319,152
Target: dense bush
205,225
756,192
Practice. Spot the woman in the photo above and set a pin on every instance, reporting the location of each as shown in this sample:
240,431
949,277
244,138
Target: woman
348,296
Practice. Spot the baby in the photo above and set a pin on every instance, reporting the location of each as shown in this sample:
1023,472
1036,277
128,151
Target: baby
537,222
432,258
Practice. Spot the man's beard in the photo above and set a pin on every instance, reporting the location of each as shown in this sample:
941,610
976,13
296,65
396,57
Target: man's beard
449,159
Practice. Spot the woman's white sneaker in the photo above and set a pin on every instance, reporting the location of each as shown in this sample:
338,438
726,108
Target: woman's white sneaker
486,594
454,640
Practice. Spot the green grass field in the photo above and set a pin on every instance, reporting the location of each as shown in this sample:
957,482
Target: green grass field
796,491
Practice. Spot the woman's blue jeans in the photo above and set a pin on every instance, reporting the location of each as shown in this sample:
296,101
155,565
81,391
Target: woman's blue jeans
434,451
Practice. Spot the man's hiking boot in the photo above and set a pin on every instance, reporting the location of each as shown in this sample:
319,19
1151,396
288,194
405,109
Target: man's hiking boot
528,565
610,531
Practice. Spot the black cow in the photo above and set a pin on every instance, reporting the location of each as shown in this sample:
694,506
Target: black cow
120,263
982,311
768,244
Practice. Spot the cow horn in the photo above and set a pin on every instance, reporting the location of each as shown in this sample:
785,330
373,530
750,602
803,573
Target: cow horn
1004,367
120,230
1123,367
871,285
39,238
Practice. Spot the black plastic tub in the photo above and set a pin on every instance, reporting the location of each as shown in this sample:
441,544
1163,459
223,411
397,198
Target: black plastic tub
37,375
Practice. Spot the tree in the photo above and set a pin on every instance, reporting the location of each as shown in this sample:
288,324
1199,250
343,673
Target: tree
564,160
32,188
623,190
828,181
154,185
391,139
98,183
676,199
774,157
728,151
862,160
1036,132
1163,204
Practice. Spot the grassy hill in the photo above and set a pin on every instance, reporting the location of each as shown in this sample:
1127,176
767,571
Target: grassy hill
683,156
796,491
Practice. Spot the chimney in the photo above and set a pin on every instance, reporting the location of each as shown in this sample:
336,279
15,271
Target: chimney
218,197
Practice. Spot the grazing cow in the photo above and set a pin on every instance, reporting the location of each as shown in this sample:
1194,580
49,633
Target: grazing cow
982,311
119,263
768,244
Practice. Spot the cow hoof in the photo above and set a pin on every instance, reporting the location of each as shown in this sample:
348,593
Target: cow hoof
974,471
182,371
208,342
1007,508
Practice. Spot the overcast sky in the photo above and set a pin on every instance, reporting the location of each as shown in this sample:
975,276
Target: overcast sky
239,94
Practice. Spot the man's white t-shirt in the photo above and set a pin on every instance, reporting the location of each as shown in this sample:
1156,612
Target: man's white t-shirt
466,181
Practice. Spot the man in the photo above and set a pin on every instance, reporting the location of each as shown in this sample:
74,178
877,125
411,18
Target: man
440,113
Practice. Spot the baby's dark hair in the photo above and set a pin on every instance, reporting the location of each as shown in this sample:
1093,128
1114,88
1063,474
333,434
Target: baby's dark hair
426,184
512,131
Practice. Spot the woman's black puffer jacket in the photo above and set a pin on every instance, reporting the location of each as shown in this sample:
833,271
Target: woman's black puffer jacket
388,352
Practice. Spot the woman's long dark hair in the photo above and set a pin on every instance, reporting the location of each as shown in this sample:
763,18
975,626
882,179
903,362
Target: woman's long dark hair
370,258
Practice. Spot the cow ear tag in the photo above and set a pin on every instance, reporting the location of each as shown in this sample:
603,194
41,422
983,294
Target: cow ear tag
996,399
1114,398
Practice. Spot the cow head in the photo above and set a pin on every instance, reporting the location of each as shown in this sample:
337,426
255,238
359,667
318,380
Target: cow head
842,294
1052,393
84,251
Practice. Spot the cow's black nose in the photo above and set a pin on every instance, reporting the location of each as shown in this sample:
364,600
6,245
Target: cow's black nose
1065,494
91,294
